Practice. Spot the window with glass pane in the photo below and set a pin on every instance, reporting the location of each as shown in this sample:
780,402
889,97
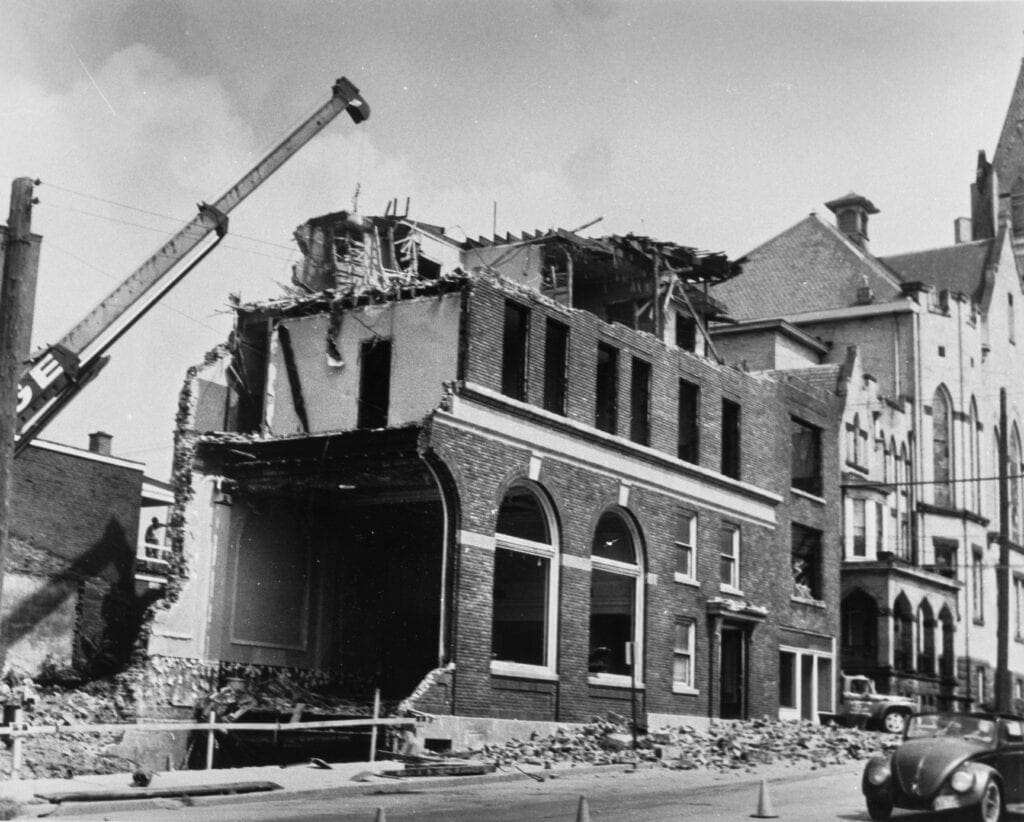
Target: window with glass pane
612,606
521,626
729,550
615,580
682,653
520,607
686,531
860,527
805,455
787,679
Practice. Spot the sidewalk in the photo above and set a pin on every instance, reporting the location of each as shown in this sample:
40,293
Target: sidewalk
305,780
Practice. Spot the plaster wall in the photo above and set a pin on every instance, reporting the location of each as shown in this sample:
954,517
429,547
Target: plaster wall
424,349
180,630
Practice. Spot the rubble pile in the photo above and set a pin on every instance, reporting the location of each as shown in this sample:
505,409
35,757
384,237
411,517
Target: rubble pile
69,754
278,694
724,746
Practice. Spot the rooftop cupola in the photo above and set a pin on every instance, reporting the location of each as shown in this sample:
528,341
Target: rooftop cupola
852,212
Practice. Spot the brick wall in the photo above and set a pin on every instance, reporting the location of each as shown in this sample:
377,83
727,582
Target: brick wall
484,464
74,530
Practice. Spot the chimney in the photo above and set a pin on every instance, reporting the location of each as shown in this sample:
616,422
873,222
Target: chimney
852,213
99,443
963,230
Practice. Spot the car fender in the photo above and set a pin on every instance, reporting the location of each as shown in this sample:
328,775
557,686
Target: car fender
982,774
877,791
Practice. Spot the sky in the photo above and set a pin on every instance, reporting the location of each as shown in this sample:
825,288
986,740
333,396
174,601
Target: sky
714,124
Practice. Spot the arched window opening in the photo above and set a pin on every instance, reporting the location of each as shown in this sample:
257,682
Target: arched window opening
974,468
947,662
906,475
1013,469
925,638
942,448
525,581
903,634
616,590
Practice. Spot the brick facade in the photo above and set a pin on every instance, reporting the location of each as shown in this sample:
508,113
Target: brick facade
68,588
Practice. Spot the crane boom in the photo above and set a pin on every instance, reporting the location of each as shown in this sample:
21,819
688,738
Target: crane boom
55,374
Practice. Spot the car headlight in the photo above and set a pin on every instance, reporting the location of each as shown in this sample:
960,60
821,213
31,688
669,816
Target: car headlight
878,772
961,781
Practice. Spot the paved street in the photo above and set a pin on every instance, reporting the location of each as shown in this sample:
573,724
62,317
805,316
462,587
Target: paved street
644,796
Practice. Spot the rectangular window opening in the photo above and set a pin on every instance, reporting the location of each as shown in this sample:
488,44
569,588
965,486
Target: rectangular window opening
640,402
805,453
689,425
374,383
607,409
682,653
729,556
514,348
519,627
556,360
686,533
806,561
860,528
686,332
731,439
787,679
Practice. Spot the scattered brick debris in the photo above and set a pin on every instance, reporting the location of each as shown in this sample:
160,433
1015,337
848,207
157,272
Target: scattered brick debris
725,746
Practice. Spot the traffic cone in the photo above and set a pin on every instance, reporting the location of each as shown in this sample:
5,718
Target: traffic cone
380,816
764,804
583,810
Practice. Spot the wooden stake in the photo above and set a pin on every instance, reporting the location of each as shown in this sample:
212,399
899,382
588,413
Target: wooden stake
373,728
18,753
210,741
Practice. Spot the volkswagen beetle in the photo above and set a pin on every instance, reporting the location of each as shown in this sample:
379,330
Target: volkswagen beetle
971,762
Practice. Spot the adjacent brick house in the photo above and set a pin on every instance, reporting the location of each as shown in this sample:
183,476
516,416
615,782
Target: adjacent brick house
69,601
936,334
509,479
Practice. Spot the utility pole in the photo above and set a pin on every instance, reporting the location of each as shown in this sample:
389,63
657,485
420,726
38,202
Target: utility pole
1003,681
17,300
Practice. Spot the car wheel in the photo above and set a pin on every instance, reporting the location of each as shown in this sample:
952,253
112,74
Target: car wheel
879,810
990,808
894,722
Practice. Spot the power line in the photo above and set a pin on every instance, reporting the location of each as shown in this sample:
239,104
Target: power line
157,230
161,216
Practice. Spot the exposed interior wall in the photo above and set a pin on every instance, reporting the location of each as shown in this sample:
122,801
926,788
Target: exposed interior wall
424,348
350,589
180,629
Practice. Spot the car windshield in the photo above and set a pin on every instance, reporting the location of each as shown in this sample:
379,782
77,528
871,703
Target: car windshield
955,725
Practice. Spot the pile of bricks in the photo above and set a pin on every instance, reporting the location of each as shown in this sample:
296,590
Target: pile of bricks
724,746
71,754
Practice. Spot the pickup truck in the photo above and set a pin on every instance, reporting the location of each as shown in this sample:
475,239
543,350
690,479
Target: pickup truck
860,704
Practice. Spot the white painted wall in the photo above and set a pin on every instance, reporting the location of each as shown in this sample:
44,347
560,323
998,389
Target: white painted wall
424,350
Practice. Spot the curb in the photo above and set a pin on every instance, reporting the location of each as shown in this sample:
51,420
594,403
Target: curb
707,779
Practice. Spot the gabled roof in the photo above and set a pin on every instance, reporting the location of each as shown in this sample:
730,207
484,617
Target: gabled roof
956,268
1009,155
810,266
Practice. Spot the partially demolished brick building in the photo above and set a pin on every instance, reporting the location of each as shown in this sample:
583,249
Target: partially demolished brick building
507,478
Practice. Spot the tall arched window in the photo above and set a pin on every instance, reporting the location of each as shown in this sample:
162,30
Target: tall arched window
942,447
903,634
925,638
974,448
906,477
853,442
894,498
947,662
524,623
1013,469
616,597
